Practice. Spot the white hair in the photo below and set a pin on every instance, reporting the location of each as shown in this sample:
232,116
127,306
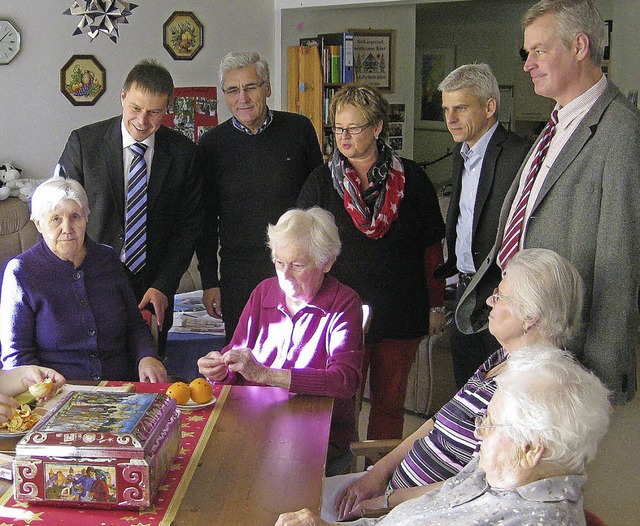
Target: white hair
315,226
550,400
51,193
547,288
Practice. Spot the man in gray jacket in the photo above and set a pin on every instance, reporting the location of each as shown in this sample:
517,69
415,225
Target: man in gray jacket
578,191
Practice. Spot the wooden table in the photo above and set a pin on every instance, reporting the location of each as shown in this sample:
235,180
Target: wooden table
266,455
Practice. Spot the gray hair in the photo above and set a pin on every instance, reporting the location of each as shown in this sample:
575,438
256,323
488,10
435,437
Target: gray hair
551,400
478,77
547,288
572,17
316,226
242,59
51,193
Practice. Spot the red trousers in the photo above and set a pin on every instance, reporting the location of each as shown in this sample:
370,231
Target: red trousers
389,363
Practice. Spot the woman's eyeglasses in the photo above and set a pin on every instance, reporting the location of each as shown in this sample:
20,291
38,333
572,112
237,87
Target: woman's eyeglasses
496,296
483,421
351,130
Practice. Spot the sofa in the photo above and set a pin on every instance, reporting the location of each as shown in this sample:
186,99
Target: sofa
17,231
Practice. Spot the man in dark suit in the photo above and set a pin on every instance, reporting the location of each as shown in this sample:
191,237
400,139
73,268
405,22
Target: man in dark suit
583,201
485,162
100,155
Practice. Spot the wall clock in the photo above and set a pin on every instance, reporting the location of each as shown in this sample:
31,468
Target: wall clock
9,41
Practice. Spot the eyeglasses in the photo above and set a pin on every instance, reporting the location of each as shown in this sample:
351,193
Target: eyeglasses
483,421
249,89
351,130
496,297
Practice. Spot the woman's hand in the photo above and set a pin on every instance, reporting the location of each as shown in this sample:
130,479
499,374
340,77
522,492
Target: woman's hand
301,518
34,374
365,487
212,366
437,323
242,361
151,370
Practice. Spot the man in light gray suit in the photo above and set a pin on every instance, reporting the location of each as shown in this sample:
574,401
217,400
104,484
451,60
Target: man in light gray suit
585,199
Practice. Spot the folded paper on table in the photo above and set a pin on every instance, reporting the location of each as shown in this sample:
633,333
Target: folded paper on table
190,316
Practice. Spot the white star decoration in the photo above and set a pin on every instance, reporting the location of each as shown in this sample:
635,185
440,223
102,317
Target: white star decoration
100,16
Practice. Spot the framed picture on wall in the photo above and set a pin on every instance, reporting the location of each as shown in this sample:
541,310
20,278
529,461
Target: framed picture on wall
432,66
83,80
182,35
374,57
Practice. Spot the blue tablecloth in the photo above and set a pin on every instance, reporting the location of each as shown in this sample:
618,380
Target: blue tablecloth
184,349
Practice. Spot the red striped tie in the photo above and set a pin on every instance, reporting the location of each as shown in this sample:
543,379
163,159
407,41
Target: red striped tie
513,233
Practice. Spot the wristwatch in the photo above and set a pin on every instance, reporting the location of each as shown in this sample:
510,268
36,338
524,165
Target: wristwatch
385,498
440,310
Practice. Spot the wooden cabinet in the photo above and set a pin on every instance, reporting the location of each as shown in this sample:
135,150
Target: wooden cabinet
308,95
305,88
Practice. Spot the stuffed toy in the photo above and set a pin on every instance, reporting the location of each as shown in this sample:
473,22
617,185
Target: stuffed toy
21,188
7,173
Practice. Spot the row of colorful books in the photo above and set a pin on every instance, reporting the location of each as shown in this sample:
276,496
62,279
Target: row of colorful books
336,53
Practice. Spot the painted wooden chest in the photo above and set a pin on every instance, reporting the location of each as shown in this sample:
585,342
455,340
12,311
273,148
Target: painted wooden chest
98,450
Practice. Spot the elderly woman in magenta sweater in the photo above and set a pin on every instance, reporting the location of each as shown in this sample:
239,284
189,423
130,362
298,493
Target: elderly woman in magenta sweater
66,302
300,330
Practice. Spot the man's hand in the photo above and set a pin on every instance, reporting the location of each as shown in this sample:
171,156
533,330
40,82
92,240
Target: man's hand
212,302
151,370
301,518
159,301
212,366
437,323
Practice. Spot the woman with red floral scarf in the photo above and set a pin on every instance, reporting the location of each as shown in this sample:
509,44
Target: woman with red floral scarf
391,229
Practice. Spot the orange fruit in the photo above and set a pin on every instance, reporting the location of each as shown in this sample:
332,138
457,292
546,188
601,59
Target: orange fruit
180,392
201,391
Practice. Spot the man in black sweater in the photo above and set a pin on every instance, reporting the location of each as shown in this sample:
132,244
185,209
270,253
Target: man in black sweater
254,165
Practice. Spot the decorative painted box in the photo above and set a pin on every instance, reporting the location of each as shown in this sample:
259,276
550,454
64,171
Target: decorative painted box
98,450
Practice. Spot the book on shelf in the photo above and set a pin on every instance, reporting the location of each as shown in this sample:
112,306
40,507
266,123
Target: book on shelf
347,58
335,52
327,42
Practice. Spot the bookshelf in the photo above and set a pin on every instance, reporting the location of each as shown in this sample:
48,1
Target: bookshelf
317,69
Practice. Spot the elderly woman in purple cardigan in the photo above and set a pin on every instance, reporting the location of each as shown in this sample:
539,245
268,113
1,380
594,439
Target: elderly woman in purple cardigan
302,329
66,302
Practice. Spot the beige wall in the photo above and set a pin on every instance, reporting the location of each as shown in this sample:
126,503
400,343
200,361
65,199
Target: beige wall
36,118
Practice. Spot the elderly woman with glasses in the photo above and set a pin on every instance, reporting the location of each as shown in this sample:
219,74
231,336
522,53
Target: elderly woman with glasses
302,329
391,228
538,301
66,302
541,428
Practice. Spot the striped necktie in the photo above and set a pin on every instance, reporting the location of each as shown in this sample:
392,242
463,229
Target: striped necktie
513,233
135,232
